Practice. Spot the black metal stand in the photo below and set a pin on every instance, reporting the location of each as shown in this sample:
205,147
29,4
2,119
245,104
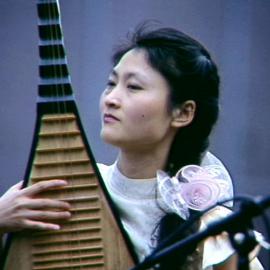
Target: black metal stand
238,225
243,243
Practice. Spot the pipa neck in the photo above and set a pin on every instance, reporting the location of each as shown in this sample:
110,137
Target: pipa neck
55,83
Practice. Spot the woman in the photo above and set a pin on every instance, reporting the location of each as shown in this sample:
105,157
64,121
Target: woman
158,108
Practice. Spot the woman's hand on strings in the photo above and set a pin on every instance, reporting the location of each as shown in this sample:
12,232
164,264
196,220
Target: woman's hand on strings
21,209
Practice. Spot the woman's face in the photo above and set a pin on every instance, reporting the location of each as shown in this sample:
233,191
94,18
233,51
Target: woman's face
134,105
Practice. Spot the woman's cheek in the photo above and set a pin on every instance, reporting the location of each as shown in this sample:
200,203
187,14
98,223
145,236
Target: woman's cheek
138,118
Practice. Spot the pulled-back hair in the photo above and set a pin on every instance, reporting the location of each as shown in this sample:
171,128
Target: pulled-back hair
191,75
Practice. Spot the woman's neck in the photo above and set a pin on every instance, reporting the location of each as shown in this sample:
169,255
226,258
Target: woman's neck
138,165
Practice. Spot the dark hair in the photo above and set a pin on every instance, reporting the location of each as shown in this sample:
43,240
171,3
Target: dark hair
192,75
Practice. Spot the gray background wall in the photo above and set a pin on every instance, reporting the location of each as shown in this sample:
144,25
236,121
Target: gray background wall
235,31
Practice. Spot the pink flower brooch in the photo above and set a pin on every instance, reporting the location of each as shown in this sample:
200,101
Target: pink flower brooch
193,187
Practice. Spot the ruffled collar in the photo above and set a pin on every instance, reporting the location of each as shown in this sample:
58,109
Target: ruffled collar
193,187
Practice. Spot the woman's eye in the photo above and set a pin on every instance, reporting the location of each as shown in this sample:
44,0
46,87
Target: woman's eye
134,87
110,83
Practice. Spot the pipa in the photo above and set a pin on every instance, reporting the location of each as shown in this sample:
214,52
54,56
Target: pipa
94,237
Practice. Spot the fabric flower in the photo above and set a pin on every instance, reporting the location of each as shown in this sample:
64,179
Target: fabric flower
193,187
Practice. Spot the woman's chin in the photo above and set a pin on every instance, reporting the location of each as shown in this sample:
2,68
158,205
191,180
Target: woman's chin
109,138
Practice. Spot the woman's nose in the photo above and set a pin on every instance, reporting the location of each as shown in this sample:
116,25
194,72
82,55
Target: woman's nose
112,98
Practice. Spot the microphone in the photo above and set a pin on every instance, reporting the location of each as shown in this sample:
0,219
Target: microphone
262,202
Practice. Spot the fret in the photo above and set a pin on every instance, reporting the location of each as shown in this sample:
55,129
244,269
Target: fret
49,51
60,89
53,71
50,32
48,9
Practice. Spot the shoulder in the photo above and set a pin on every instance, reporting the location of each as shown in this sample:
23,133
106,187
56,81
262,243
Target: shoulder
103,167
105,171
210,159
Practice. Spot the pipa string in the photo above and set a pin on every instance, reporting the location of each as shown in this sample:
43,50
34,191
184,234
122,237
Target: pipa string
60,58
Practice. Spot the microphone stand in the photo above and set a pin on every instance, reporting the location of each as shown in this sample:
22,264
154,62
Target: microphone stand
241,235
237,225
243,242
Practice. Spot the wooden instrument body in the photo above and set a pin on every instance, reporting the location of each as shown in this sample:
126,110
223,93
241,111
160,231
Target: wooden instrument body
93,238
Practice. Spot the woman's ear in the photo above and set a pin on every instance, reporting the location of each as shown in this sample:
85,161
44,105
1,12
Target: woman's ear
184,114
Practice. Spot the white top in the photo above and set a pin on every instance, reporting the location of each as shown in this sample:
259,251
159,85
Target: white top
140,211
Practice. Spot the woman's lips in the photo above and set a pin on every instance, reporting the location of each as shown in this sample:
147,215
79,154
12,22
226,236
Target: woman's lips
109,118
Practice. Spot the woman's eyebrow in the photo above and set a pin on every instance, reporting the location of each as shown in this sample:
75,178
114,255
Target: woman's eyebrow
129,75
113,73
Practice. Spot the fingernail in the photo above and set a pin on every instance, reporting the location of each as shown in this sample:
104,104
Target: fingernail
56,227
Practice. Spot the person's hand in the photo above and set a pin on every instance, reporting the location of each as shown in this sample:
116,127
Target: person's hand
21,209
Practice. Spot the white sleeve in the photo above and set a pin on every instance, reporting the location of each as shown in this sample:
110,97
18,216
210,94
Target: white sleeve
218,248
